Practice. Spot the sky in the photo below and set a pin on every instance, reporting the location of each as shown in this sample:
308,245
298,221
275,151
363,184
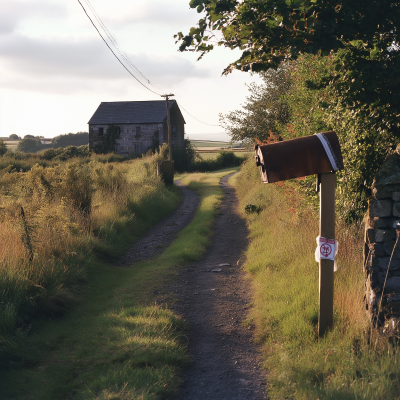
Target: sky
55,70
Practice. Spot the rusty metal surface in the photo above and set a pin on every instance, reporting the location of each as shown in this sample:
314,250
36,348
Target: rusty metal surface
296,158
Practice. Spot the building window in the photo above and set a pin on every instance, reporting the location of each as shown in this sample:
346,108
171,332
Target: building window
101,131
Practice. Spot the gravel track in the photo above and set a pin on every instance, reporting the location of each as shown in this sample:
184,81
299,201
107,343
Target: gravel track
226,362
164,233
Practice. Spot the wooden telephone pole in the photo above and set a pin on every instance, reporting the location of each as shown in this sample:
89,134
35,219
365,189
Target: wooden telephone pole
167,96
166,168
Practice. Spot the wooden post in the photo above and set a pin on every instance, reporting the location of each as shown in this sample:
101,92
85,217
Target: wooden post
326,230
167,96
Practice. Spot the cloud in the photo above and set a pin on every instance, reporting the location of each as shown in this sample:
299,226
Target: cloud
173,13
42,64
14,12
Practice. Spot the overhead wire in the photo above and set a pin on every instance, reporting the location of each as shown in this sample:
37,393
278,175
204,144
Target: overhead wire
126,58
105,41
115,43
180,105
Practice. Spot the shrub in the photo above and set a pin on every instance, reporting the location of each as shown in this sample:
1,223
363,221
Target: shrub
3,147
30,145
70,139
66,153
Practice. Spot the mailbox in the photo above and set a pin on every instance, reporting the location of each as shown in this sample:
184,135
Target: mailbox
308,155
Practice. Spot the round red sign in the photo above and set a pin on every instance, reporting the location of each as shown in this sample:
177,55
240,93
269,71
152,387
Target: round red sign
326,250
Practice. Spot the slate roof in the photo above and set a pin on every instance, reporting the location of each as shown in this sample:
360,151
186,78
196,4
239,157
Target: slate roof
131,112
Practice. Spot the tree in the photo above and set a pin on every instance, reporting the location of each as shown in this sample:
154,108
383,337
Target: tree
13,136
3,147
30,145
29,137
70,139
360,34
264,113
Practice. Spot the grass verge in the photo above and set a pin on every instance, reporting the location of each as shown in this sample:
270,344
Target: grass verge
117,344
348,363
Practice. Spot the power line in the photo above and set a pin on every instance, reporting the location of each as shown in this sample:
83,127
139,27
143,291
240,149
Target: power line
123,55
205,123
114,53
115,43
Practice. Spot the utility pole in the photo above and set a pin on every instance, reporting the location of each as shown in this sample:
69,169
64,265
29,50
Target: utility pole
166,168
167,96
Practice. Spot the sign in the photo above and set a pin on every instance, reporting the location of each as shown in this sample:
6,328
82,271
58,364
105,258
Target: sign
326,250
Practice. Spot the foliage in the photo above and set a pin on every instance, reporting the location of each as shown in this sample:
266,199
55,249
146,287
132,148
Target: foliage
3,147
30,145
74,211
14,136
365,144
360,38
109,139
28,136
264,112
349,362
65,153
118,343
70,139
309,108
184,158
271,32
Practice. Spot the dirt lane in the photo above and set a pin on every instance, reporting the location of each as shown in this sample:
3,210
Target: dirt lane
164,233
226,361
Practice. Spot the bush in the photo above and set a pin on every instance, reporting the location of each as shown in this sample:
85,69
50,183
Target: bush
187,160
3,147
70,139
30,145
66,153
184,158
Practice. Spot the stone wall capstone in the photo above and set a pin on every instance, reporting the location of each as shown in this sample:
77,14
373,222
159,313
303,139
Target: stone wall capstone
382,247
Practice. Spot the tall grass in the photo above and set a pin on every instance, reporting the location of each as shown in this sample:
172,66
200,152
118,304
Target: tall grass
74,214
118,344
349,362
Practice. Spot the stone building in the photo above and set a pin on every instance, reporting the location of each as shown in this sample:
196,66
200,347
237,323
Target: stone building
142,125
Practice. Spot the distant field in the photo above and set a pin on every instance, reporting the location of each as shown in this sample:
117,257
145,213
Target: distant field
11,144
214,154
211,145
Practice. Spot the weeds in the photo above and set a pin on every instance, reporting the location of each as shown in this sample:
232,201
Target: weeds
118,343
73,213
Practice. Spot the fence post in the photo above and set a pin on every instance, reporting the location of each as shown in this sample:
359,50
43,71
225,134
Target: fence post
326,267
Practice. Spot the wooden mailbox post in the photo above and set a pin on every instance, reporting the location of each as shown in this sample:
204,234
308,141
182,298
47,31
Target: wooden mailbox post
318,154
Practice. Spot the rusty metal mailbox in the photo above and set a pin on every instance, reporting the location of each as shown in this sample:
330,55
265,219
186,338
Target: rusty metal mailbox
308,155
318,154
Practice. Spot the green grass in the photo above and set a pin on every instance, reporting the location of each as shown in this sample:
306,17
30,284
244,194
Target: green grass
205,143
214,155
349,362
117,343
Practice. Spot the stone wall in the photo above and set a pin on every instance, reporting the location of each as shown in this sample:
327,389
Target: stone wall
382,251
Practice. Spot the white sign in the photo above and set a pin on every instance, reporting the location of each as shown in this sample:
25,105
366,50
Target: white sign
326,249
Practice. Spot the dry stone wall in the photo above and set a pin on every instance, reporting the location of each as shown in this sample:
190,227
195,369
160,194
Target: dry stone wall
382,247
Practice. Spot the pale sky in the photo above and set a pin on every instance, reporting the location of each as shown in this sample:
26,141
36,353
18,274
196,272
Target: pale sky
55,69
